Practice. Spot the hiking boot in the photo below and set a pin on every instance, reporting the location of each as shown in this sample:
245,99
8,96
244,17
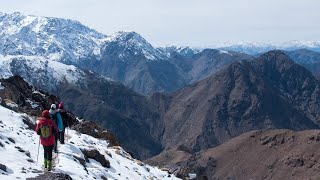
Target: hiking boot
45,163
49,163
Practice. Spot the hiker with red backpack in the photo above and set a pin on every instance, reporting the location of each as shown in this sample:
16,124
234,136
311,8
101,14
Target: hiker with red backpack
46,128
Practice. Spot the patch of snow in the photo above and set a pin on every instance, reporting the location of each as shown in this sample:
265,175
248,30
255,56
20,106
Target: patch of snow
33,104
224,52
1,87
192,176
10,103
5,71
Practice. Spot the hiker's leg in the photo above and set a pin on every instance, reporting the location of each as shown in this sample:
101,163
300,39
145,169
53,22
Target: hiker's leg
45,153
56,143
62,137
50,148
49,162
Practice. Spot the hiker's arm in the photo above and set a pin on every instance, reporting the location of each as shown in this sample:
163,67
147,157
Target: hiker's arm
37,129
55,128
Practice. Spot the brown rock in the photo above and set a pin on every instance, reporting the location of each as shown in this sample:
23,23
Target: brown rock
95,154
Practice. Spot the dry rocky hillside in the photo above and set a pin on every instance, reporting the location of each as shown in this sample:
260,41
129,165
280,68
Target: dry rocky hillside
269,92
306,58
272,155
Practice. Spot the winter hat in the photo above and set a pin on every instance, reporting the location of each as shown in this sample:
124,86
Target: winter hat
61,105
53,106
46,114
53,109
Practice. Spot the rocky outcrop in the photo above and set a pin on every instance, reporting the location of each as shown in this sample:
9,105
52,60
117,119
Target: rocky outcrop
95,154
3,167
52,176
36,100
93,129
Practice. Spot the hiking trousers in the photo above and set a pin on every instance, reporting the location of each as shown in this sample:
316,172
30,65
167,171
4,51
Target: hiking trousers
56,142
48,152
62,137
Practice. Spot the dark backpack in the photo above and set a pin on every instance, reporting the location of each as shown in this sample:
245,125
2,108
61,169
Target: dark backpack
54,118
45,131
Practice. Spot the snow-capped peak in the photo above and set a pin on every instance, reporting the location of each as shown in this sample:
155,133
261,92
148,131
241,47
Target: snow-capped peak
182,50
300,44
136,43
46,36
260,47
40,71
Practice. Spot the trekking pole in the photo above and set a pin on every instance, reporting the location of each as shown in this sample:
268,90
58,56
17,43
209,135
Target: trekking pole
57,154
67,134
38,150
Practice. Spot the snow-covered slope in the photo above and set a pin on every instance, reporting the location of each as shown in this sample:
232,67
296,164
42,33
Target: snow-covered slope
40,71
63,39
134,42
185,51
19,148
50,37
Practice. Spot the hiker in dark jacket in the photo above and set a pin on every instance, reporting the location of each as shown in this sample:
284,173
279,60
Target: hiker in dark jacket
56,117
46,128
64,117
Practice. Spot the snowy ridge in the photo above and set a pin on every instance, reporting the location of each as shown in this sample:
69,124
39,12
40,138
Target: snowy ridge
64,40
182,50
39,70
18,145
135,42
256,47
45,36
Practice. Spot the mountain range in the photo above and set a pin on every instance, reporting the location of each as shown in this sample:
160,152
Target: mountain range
258,48
124,56
164,100
268,92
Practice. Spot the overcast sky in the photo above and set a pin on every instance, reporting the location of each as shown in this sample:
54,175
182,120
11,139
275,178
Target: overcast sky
187,22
